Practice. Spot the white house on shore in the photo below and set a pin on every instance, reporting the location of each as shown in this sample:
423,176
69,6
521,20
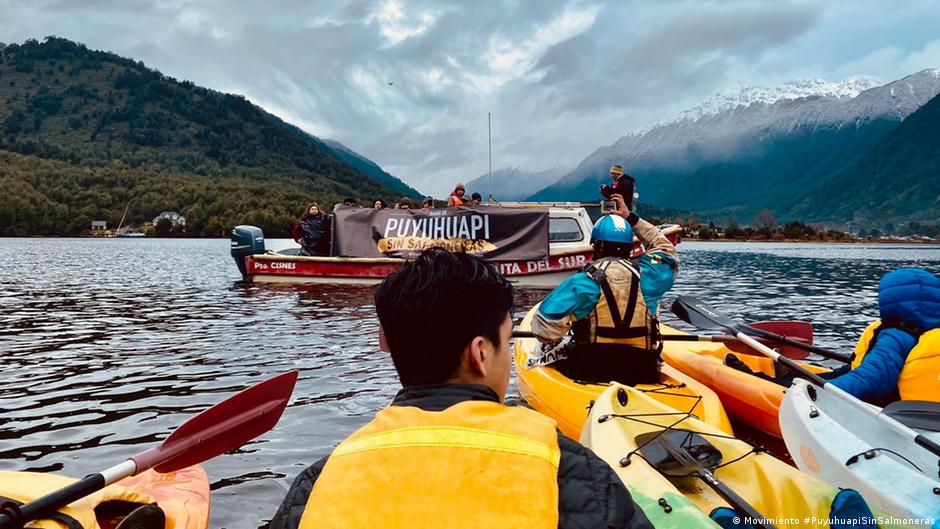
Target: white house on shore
172,216
99,225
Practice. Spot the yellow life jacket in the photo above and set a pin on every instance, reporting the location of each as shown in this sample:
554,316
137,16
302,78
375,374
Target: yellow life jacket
23,487
473,465
621,315
920,376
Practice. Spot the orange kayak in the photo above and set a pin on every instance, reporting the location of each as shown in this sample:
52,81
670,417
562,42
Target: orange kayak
749,399
568,402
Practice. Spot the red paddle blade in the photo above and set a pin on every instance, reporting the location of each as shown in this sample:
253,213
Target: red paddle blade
801,331
789,351
223,427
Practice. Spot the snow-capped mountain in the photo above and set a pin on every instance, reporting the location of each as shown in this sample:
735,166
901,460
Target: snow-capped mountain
753,148
746,95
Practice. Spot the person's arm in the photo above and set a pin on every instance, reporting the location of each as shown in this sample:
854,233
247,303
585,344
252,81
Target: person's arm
877,376
590,494
572,300
292,507
653,239
297,232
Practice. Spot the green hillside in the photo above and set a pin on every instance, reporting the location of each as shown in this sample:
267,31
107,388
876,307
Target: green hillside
104,115
897,179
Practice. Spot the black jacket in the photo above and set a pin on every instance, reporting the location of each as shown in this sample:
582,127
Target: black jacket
624,186
590,495
313,235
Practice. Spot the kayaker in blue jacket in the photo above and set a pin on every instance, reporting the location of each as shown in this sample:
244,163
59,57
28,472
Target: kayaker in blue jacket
898,356
611,305
909,304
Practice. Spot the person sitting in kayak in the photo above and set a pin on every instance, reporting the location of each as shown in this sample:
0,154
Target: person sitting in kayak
897,356
312,232
611,305
447,452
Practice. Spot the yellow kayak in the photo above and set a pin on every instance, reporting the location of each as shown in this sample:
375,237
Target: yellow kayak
183,496
624,428
568,402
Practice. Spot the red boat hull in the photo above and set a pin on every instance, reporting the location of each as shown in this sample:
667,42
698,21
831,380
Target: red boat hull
277,268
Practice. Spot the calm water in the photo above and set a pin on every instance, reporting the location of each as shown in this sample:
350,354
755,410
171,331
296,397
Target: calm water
107,345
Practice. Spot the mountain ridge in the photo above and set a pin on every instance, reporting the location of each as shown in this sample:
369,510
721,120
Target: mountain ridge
701,164
92,109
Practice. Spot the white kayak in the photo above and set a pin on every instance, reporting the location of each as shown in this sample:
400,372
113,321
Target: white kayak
830,439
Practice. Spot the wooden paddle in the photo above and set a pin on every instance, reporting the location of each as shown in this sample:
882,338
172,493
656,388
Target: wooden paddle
223,427
701,315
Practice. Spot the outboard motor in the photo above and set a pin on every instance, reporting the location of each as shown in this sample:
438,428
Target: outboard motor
246,240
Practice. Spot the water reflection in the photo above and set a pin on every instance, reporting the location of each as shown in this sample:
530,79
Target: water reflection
108,345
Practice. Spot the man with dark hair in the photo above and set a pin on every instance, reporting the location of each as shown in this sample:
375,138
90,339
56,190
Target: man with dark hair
448,452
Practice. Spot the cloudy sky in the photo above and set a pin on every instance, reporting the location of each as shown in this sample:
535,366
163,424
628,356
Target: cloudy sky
560,78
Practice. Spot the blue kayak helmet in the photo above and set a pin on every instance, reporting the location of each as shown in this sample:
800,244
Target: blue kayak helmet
612,236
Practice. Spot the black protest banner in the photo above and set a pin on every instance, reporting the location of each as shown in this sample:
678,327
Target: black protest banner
496,234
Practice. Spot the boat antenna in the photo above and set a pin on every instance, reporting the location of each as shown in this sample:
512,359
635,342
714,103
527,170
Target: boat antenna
489,131
122,217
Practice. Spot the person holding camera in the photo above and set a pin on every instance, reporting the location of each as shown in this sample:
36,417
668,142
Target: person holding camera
623,185
611,305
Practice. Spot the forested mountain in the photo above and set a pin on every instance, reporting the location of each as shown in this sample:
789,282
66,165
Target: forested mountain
899,178
744,154
367,166
126,133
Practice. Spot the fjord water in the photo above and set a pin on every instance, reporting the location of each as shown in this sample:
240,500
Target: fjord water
109,344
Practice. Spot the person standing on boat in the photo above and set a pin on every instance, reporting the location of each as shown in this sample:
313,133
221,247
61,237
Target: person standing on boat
623,185
456,196
312,232
448,452
611,305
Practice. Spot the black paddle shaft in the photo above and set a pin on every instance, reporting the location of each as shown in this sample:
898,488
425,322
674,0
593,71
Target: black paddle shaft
700,315
50,503
738,503
699,469
696,313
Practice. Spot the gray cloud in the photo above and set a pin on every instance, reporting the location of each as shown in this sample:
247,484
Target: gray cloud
560,77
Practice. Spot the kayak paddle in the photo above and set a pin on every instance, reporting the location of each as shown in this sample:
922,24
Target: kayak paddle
704,322
682,453
920,414
223,427
730,341
697,313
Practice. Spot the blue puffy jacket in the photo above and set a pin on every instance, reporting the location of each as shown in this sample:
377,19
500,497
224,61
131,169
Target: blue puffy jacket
910,295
